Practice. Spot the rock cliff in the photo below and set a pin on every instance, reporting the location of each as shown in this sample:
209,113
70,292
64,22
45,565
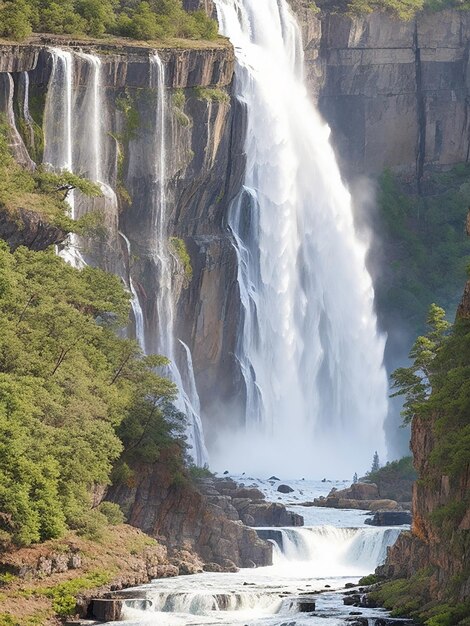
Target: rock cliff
182,518
438,547
395,93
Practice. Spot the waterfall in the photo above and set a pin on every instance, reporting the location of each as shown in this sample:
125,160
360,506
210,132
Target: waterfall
328,550
188,399
309,350
135,302
26,113
59,135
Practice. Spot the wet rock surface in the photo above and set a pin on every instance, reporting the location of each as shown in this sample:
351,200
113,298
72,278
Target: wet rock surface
389,518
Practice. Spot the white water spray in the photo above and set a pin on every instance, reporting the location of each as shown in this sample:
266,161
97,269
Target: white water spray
309,350
330,551
188,399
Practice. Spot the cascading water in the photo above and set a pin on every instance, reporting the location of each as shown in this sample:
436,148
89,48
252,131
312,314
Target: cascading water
306,560
309,350
26,112
135,302
59,136
329,550
188,399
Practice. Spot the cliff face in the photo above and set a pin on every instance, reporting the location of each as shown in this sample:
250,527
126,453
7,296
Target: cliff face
181,517
439,542
394,93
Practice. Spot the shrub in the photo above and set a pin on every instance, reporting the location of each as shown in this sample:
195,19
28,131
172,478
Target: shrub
112,512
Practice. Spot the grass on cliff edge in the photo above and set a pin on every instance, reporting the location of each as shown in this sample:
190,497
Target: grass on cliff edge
410,598
40,601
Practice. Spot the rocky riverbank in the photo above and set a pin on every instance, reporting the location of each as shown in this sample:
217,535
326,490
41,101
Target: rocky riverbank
365,496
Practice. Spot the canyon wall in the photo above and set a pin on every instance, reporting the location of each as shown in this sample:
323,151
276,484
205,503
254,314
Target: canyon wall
393,92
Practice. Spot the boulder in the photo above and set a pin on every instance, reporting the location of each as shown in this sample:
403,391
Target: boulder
285,489
389,518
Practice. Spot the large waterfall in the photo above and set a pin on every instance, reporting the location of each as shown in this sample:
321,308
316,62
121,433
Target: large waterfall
309,351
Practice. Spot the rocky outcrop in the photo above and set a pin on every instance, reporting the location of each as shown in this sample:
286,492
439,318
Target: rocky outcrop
24,227
247,504
389,518
363,496
184,519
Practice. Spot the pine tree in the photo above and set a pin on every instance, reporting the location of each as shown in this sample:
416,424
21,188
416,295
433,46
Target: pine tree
355,478
375,462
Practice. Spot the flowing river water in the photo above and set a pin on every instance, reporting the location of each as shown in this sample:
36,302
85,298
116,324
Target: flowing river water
334,547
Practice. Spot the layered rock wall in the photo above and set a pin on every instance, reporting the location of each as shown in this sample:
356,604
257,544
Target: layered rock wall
182,517
395,93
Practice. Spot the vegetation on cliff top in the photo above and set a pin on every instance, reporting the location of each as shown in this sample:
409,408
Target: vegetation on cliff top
141,20
402,9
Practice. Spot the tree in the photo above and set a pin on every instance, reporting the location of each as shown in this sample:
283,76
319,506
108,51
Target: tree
375,462
355,478
16,19
74,396
415,382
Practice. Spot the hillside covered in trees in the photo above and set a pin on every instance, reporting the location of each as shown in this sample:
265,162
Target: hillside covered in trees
141,20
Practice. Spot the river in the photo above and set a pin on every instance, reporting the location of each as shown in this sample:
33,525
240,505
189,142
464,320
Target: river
334,548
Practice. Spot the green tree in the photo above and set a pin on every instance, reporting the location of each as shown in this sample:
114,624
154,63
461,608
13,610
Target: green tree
98,15
415,382
375,462
75,398
16,18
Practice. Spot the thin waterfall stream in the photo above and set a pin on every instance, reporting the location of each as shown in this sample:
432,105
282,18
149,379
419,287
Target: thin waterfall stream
188,399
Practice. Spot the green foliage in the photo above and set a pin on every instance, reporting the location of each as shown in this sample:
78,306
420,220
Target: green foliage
112,512
404,597
196,472
408,597
210,94
63,596
40,191
143,20
68,387
371,579
179,249
179,103
423,242
16,17
415,382
396,470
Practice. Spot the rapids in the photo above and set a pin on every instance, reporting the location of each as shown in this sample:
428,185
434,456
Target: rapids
334,549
